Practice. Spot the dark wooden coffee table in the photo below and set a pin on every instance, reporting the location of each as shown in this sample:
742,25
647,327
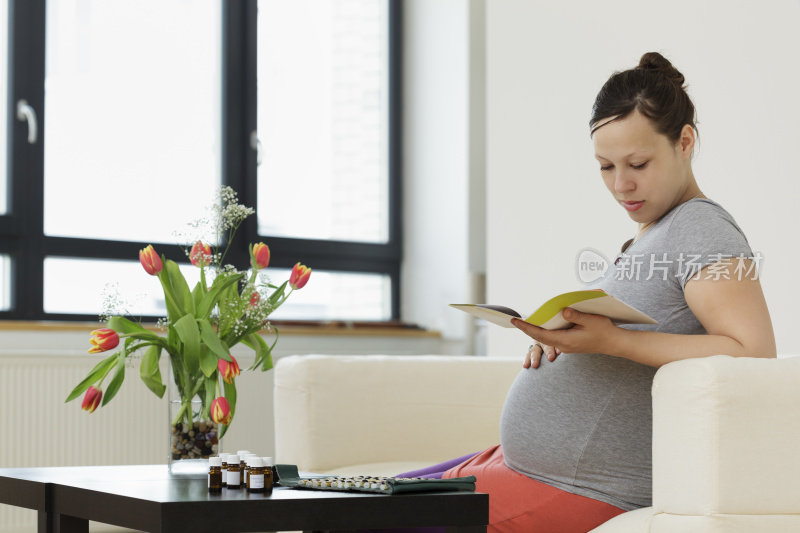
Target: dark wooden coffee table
146,498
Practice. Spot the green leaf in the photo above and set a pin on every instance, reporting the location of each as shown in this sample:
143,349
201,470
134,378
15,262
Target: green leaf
219,288
211,339
150,372
187,331
211,393
173,342
231,292
218,349
262,349
123,326
173,312
99,371
197,294
116,381
180,289
275,296
230,395
208,361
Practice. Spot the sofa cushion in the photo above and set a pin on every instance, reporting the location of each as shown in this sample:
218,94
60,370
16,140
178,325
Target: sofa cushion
723,523
637,521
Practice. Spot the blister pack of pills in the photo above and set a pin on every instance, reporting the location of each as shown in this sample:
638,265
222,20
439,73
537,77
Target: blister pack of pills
289,477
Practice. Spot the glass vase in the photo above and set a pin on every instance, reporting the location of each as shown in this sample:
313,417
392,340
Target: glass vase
192,437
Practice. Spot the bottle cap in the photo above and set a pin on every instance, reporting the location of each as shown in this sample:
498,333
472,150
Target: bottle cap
233,458
267,461
256,462
214,461
248,460
223,457
242,453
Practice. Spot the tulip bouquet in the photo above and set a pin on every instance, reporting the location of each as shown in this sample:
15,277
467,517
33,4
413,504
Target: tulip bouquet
225,307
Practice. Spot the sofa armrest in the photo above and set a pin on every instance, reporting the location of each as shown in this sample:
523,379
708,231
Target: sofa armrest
339,411
725,436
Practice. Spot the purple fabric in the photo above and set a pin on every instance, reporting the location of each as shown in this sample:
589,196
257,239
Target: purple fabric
437,471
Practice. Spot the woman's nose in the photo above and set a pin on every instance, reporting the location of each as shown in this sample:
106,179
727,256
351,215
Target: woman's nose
623,182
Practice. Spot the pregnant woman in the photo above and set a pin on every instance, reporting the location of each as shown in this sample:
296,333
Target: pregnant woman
575,433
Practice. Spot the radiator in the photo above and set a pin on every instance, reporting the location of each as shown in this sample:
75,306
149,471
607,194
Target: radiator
39,429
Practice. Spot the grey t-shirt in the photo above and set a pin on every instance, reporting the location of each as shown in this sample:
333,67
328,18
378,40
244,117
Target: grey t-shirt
583,423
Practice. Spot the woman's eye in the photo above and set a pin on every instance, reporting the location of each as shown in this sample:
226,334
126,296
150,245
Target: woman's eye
606,168
640,167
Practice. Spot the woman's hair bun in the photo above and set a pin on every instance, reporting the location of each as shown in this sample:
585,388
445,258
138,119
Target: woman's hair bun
657,62
655,89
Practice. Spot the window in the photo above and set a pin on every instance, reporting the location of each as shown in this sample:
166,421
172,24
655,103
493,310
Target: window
81,285
3,108
328,97
138,133
133,125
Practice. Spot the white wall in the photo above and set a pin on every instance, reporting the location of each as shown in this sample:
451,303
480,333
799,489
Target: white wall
545,63
442,175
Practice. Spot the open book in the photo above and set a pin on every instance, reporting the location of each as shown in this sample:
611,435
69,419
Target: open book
548,316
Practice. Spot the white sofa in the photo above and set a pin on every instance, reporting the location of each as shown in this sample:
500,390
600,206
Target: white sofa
726,431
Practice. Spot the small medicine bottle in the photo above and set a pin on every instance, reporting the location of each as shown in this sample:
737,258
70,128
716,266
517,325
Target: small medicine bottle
242,453
243,464
269,464
234,472
214,474
260,479
248,463
224,458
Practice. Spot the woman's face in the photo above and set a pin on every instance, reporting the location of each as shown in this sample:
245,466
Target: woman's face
645,172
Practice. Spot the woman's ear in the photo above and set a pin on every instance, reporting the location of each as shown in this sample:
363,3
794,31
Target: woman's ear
686,141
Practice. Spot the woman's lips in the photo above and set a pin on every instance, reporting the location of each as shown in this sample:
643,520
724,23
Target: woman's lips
632,206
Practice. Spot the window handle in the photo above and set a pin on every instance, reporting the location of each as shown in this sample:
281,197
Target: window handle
255,144
27,113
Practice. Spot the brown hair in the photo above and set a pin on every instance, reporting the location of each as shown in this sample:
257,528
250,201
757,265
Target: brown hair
654,88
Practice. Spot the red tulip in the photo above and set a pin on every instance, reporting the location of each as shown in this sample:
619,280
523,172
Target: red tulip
259,256
200,255
103,339
150,260
221,411
254,299
299,277
92,399
228,369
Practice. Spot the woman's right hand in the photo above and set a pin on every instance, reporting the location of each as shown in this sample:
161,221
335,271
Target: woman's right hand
535,353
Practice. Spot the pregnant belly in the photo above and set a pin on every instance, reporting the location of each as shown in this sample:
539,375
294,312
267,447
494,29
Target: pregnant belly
557,419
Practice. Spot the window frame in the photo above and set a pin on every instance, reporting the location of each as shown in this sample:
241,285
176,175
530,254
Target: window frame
22,232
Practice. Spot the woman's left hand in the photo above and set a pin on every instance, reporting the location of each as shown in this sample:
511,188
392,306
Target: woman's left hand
589,334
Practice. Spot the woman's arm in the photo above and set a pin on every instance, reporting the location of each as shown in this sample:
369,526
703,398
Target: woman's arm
733,312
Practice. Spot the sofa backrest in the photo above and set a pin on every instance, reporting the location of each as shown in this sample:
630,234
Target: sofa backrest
334,411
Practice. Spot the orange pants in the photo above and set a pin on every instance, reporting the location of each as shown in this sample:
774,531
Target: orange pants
518,503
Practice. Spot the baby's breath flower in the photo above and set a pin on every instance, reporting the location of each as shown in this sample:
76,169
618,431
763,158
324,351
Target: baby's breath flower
113,302
229,212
